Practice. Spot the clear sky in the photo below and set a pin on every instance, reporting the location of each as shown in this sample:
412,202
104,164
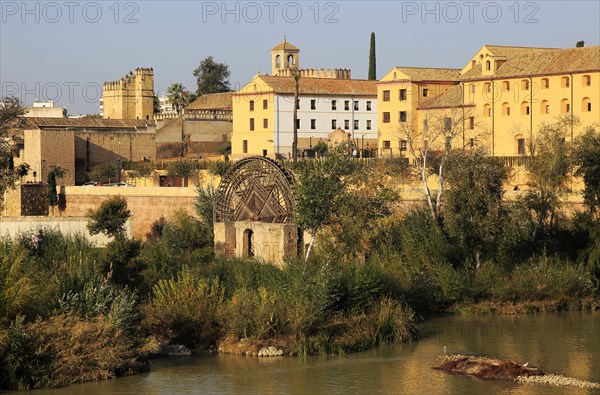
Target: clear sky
65,50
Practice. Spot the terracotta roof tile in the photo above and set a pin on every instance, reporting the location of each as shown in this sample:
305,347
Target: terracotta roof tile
284,45
430,73
212,101
542,61
321,86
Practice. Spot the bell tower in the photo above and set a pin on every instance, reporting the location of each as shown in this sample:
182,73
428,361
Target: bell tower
284,56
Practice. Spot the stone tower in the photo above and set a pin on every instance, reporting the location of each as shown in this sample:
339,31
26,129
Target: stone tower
284,56
132,97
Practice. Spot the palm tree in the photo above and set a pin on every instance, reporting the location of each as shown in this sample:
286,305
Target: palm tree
178,96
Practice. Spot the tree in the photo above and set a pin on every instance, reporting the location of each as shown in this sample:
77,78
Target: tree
548,167
156,104
143,170
319,187
110,217
212,77
104,171
580,44
178,96
473,204
431,144
372,60
586,156
181,168
52,194
11,112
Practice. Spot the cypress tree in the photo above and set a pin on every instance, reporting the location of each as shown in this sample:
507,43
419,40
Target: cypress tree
52,195
372,61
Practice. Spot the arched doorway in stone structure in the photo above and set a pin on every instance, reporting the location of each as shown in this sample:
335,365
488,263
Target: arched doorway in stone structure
253,211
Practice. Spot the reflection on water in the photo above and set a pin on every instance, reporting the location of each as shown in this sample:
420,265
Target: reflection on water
567,344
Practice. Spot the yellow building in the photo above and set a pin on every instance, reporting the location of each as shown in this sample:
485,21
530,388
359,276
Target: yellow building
132,97
501,96
328,100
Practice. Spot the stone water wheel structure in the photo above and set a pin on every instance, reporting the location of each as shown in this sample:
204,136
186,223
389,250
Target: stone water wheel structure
253,211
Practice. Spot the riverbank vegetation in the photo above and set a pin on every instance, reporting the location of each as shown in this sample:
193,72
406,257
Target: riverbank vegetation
71,312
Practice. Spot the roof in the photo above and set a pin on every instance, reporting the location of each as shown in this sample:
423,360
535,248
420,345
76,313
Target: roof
285,46
524,62
430,73
320,86
42,122
452,97
509,51
212,101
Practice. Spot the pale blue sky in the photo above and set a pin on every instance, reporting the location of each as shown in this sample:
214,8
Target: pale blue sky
62,47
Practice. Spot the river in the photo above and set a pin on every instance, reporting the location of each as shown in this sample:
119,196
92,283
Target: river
563,343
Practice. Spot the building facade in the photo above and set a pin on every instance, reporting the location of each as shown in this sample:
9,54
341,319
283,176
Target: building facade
499,99
329,100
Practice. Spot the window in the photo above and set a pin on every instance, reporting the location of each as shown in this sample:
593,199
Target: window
356,124
265,104
298,105
565,82
471,122
265,123
386,95
251,105
487,110
402,94
368,105
488,65
565,106
521,147
297,124
472,142
487,87
334,124
245,146
472,88
545,83
386,144
525,85
402,145
586,105
346,124
506,85
251,124
447,124
355,105
524,108
313,123
505,109
448,143
402,116
334,105
587,80
425,92
313,104
368,124
346,105
386,117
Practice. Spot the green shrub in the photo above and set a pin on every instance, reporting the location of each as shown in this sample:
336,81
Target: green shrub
184,310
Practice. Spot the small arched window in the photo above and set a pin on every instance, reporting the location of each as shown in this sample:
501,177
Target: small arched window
487,110
506,86
565,106
525,85
487,87
545,83
278,61
586,105
524,108
487,65
565,82
587,80
473,63
505,109
290,60
544,107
